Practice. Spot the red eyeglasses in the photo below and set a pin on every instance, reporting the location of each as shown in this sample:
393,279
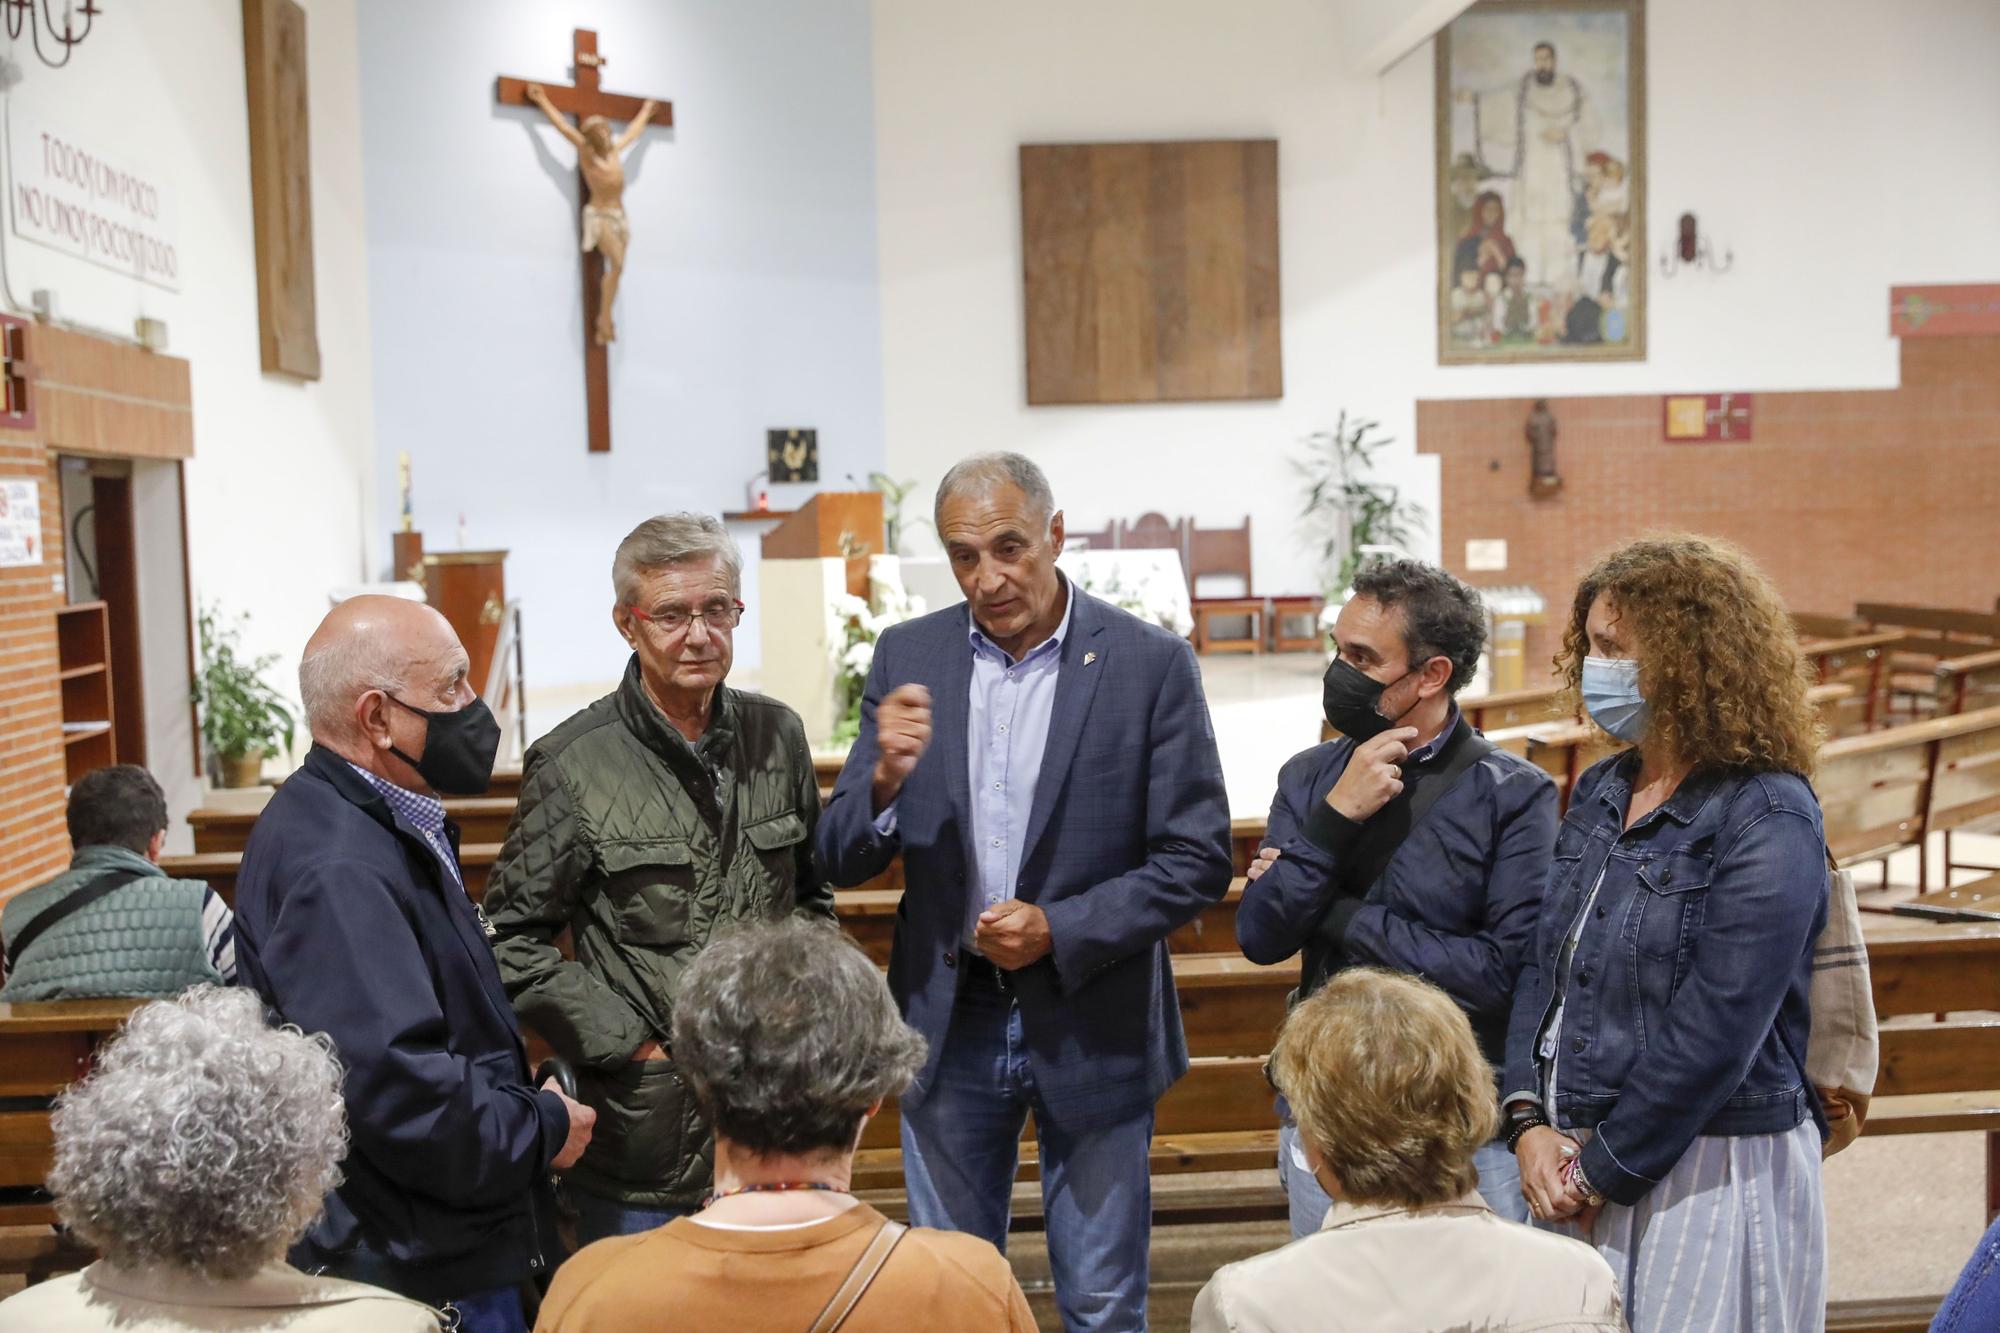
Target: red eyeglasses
676,619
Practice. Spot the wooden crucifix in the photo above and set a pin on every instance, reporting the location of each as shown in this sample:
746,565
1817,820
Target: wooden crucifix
601,190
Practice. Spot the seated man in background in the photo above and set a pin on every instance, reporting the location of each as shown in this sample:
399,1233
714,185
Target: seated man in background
1411,842
1392,1099
114,923
198,1149
790,1040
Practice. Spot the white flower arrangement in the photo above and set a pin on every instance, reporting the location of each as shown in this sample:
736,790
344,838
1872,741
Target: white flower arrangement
856,627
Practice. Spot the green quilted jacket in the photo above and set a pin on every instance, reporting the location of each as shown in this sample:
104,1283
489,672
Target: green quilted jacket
642,846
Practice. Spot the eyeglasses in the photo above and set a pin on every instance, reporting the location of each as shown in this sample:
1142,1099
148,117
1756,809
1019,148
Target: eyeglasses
675,619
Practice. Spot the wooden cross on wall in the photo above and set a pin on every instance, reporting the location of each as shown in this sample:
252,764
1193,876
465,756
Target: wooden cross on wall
587,99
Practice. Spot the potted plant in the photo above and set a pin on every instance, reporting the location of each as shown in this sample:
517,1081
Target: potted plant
243,719
1346,511
893,494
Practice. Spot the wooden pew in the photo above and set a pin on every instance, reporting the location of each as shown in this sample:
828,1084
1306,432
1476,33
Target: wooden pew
480,819
46,1048
1938,1075
1925,637
1856,660
1887,790
1515,708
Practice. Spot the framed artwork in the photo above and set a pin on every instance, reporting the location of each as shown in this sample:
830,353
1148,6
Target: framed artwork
1541,182
792,455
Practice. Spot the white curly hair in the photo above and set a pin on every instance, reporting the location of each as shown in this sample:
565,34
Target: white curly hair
204,1141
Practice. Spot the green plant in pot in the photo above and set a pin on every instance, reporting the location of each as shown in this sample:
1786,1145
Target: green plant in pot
894,493
1345,509
243,719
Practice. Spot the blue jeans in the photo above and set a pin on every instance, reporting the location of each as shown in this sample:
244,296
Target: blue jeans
1499,1183
598,1217
962,1144
495,1311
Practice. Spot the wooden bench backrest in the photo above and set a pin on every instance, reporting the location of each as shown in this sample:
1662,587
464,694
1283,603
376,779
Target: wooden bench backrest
1964,626
1809,624
1517,708
1967,684
1154,532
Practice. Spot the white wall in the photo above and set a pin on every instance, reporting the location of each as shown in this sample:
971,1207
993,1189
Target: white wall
1837,147
278,495
749,297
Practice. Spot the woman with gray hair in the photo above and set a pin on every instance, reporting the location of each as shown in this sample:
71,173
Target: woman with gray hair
194,1155
789,1039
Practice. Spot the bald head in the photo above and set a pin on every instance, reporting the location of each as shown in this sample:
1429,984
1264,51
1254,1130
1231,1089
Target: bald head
384,645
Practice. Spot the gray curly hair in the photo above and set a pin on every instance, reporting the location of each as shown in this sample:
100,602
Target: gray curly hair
204,1141
787,1033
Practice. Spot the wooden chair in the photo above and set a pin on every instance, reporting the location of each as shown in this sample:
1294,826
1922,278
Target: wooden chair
1224,553
1154,532
1102,539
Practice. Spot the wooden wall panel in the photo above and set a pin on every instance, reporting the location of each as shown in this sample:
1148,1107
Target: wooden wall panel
1151,271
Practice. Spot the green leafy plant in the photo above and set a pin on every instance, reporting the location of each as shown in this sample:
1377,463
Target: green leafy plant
893,494
241,714
1345,509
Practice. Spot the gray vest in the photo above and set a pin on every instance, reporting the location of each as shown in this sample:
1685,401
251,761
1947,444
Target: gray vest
144,939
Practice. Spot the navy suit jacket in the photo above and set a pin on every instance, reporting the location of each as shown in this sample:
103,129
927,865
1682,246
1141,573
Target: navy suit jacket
1128,838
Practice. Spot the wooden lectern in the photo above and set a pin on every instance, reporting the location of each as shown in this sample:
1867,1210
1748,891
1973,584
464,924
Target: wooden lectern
833,525
810,559
469,588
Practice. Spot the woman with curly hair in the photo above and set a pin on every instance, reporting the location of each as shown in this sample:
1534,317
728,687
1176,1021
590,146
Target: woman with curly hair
191,1158
1659,1104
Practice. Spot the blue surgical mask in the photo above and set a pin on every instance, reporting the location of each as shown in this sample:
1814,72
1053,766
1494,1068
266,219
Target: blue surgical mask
1611,696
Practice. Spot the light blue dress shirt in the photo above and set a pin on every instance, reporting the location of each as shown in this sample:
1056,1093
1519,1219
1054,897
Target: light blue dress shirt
1006,730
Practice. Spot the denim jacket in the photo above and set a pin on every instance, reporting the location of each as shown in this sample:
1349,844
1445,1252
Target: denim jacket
1686,1006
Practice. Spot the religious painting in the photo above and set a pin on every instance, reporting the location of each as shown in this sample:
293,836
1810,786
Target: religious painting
792,455
1541,182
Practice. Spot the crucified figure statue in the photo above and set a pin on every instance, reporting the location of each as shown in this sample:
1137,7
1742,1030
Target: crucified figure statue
605,229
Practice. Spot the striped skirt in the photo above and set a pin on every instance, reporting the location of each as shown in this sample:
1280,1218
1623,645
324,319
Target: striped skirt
1733,1240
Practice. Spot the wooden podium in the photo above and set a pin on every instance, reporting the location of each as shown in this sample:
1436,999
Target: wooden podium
833,525
809,559
469,588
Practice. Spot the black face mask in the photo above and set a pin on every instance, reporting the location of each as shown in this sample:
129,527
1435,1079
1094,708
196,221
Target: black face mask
458,748
1350,697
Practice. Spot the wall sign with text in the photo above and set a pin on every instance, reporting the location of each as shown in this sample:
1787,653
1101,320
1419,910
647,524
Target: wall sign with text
68,195
20,523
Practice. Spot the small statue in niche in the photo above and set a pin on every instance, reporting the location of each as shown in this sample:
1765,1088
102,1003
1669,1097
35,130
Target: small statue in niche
1541,432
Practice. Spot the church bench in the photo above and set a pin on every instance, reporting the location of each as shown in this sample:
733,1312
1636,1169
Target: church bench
1891,789
1937,993
480,819
1857,660
1926,636
1515,708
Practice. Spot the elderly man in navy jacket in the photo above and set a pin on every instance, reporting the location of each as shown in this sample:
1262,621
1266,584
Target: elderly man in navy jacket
1044,763
353,920
1361,865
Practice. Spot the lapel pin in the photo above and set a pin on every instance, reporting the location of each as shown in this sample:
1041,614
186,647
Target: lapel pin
1088,658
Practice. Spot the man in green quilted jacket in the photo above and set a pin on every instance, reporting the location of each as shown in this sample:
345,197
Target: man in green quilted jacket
660,815
148,934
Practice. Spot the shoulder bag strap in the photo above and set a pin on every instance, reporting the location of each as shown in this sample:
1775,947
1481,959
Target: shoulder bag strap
876,1254
69,906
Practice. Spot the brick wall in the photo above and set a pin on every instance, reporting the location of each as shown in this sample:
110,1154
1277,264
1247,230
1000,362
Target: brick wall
1875,495
33,843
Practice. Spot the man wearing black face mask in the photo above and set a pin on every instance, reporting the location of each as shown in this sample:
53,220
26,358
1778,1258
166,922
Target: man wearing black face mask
353,920
1409,843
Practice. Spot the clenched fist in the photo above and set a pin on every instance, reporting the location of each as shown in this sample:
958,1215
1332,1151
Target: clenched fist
582,1120
902,731
1374,775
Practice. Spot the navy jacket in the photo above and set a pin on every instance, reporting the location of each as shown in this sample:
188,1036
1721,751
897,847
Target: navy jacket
1456,903
1686,1010
346,924
1128,838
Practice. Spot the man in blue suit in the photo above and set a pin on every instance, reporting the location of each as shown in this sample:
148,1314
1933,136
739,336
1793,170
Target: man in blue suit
1044,763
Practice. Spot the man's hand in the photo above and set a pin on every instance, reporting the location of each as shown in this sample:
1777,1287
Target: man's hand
1374,775
649,1050
581,1119
902,732
1266,858
536,93
1013,935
